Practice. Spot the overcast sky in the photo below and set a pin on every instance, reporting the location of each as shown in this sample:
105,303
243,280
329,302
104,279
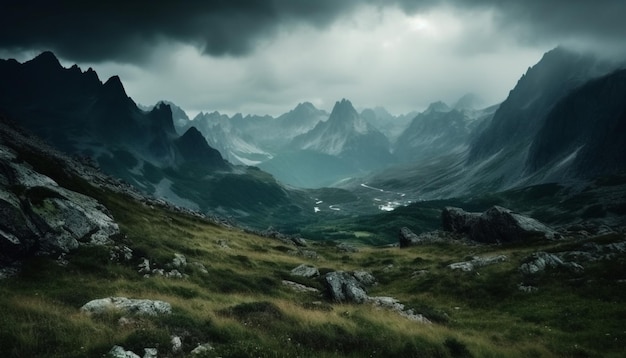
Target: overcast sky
264,57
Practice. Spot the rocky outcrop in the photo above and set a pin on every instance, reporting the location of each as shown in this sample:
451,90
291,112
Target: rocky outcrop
539,262
395,305
305,271
39,217
499,224
458,220
202,349
298,287
131,306
496,225
408,238
347,248
120,352
344,287
477,262
174,269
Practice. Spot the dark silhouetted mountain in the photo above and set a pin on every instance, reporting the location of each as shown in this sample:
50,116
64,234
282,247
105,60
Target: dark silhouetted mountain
523,113
179,117
194,148
74,110
583,135
79,114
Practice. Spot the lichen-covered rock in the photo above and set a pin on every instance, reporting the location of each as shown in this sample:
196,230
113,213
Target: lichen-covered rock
344,247
407,237
458,220
202,348
343,287
177,344
299,287
179,261
498,225
150,353
477,262
120,352
364,277
305,271
395,305
538,262
495,225
39,217
298,241
131,306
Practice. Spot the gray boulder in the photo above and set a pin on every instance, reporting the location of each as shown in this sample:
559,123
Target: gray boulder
177,344
150,353
131,306
477,262
458,220
407,237
343,247
495,225
120,352
179,261
364,277
41,218
305,271
538,262
343,287
395,305
202,348
500,225
299,287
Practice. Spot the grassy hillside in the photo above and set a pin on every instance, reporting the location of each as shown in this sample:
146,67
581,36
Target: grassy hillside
241,308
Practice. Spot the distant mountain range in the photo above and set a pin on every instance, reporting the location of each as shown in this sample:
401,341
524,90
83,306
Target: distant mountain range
559,124
562,123
79,114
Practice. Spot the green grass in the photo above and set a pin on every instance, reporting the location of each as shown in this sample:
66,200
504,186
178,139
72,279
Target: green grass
241,308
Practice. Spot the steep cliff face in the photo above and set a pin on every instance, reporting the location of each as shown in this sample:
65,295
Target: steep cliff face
437,131
523,113
583,135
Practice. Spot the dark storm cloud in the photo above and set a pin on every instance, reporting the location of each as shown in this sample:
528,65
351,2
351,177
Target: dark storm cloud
539,20
126,30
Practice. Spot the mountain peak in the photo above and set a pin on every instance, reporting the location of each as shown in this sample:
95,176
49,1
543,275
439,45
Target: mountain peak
343,109
468,101
305,105
438,106
194,148
46,58
114,86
